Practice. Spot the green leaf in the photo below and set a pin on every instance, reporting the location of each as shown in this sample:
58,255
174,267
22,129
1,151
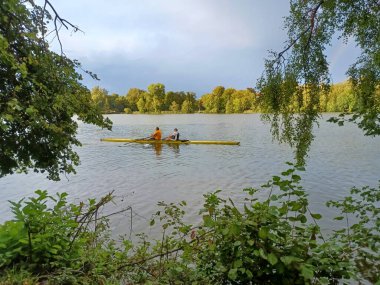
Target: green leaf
307,271
296,206
53,250
302,218
262,254
263,232
339,218
290,259
237,263
296,177
324,281
316,216
235,229
272,258
276,178
207,220
232,274
249,273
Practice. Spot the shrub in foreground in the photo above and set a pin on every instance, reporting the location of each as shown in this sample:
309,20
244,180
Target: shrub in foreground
271,240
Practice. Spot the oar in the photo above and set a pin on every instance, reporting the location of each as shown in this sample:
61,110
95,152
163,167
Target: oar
140,139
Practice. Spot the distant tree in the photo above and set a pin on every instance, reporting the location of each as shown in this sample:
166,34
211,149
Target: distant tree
141,105
229,107
156,104
341,98
226,96
128,111
170,97
120,103
212,102
157,89
174,107
229,100
41,94
191,97
187,107
155,97
99,97
133,95
217,95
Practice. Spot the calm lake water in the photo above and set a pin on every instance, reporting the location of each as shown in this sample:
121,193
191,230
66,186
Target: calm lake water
142,175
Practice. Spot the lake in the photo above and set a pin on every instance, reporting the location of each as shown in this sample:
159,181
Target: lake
141,175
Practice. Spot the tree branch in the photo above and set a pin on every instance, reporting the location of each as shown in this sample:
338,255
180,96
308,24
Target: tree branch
59,20
308,28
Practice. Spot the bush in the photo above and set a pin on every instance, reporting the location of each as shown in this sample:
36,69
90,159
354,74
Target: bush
275,240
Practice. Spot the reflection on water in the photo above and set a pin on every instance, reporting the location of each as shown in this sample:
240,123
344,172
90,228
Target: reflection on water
158,148
174,147
143,175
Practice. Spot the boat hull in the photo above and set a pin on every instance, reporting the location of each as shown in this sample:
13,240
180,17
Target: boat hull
125,140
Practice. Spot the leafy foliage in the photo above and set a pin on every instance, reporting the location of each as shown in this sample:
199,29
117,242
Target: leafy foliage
40,93
59,242
269,240
300,73
361,212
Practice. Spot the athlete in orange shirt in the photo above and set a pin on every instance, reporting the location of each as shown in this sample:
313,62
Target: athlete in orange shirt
157,134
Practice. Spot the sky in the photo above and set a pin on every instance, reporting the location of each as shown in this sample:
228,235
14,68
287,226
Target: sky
187,45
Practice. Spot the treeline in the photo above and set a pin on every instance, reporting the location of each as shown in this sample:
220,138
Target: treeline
221,100
156,100
152,100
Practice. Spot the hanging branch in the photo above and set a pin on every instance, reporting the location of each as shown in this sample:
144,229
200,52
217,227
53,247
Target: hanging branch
310,28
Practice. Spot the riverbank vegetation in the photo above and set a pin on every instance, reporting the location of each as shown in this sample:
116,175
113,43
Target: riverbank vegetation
276,240
221,100
271,240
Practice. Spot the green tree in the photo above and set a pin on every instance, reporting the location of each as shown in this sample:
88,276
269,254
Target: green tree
302,69
155,97
128,110
341,98
99,97
156,104
243,100
120,104
174,107
157,89
133,95
187,107
212,102
171,97
40,94
141,105
226,97
229,107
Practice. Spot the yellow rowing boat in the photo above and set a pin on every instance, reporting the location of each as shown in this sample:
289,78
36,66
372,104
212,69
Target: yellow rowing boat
144,141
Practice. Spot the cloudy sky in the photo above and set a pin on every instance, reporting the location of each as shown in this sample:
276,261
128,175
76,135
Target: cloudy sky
188,45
